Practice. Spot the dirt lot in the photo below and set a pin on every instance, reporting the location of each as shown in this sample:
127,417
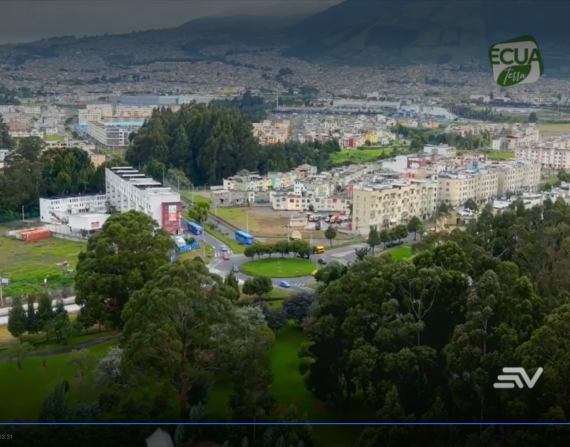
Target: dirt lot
263,222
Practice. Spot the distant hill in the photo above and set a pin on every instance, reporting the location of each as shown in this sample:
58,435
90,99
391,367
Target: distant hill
256,19
365,32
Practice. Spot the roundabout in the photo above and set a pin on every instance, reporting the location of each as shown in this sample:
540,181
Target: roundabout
279,267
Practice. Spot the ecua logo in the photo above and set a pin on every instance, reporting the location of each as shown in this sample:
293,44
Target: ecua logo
516,61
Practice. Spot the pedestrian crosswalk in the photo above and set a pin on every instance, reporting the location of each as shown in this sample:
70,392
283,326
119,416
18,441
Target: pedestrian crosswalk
298,284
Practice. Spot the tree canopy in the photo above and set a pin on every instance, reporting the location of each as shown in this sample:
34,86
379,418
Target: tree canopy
424,339
119,260
209,143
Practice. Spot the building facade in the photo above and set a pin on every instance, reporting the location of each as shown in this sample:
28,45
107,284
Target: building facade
554,157
56,210
111,134
385,205
127,189
456,188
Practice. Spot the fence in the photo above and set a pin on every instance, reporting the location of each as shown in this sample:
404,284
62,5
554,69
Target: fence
185,249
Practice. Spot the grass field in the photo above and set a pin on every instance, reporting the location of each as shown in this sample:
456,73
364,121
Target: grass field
264,222
26,264
554,128
53,138
501,155
24,390
401,252
288,388
359,155
240,217
194,197
279,267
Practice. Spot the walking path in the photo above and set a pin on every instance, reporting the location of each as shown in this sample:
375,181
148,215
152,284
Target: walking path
67,349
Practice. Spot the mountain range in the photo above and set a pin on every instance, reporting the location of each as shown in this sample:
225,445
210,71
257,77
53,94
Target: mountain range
367,32
378,32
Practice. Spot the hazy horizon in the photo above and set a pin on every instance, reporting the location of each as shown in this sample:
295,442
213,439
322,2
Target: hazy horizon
26,21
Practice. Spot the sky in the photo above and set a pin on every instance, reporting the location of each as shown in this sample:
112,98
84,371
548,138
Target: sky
26,21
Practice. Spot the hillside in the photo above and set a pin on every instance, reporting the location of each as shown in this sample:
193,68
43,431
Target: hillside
387,32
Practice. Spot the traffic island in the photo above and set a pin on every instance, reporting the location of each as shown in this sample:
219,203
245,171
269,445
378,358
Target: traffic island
279,267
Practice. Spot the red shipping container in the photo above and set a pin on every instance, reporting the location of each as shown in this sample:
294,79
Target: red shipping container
35,235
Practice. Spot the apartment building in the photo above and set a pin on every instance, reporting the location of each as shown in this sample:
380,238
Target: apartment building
516,177
110,134
555,156
127,189
455,188
86,115
443,150
302,202
384,205
56,210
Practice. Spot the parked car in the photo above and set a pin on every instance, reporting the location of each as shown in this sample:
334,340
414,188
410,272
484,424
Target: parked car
394,244
284,284
322,261
235,269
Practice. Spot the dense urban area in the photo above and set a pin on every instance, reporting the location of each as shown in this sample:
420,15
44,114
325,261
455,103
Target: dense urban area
255,240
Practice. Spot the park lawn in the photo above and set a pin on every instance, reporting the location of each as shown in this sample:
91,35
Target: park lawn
358,155
343,243
501,155
279,267
239,217
53,138
194,197
23,391
27,264
401,252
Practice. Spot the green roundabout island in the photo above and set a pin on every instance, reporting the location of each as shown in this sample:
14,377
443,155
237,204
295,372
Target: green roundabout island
279,267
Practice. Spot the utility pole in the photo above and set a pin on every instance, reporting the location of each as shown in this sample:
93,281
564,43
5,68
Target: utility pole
247,222
23,215
163,176
1,296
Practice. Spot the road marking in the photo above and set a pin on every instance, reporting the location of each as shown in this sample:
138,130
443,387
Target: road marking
342,254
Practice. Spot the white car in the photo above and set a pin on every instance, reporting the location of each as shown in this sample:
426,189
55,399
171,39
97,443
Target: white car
224,248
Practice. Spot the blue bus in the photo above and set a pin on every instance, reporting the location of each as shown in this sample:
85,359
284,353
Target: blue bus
194,228
244,238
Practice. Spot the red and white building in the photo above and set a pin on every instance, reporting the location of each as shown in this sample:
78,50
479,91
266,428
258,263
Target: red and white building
127,189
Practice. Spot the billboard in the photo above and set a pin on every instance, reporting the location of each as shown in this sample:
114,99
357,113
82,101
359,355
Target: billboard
171,216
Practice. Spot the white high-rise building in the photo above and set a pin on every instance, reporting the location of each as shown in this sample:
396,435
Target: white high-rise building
128,189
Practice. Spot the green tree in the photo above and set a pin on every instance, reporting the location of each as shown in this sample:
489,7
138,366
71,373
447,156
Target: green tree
170,326
66,171
55,407
373,239
276,319
32,321
119,260
232,282
258,286
400,232
385,237
45,312
20,351
330,234
17,319
470,204
415,225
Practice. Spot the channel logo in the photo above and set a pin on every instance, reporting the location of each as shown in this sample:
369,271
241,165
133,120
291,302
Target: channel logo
516,61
